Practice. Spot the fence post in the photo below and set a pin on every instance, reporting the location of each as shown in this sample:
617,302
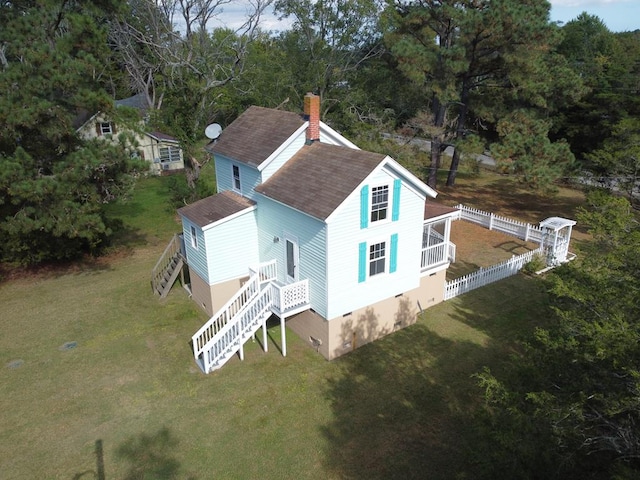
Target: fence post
491,221
526,233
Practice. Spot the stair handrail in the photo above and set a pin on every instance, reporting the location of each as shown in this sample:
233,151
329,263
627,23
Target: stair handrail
236,303
245,328
220,319
164,260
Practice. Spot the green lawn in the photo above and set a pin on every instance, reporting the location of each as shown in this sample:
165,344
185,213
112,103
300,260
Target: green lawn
401,407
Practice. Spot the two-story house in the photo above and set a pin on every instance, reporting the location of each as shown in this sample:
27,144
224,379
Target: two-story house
347,241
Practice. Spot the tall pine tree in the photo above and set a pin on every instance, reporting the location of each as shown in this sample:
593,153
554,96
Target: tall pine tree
53,185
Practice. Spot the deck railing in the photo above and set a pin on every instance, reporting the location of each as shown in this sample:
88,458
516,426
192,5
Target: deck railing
437,255
266,272
288,298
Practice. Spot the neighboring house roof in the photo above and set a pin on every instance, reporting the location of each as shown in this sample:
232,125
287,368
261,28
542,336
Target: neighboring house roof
138,101
433,210
320,177
256,134
159,136
214,208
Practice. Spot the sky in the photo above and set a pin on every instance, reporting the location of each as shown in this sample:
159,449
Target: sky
618,15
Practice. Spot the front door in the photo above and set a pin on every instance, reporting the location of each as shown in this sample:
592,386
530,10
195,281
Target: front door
291,258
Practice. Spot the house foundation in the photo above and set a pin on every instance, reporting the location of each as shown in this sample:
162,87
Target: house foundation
212,298
341,335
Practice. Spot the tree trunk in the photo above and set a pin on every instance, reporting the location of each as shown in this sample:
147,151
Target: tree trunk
460,130
439,114
455,161
435,163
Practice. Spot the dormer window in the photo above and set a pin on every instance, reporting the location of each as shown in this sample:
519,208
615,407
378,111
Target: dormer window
379,203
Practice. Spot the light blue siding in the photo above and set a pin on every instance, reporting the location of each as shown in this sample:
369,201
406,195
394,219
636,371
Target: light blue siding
345,291
249,176
232,247
196,257
283,157
225,251
274,221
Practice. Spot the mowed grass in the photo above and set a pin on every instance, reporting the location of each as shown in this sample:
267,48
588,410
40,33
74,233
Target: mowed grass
402,407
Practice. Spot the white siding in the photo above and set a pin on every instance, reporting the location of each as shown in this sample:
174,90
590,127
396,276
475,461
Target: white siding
231,248
249,176
276,220
345,292
196,257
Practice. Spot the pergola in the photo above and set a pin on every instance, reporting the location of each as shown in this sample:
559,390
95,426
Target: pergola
556,238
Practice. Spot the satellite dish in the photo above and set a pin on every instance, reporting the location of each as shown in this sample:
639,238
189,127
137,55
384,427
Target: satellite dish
213,131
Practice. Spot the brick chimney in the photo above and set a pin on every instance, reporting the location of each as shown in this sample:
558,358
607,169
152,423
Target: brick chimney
312,114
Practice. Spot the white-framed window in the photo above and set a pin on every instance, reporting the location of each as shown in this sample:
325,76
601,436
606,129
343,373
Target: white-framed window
377,258
236,177
169,154
194,238
379,203
105,128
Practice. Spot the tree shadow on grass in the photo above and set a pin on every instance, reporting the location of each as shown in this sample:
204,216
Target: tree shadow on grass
151,456
401,408
406,406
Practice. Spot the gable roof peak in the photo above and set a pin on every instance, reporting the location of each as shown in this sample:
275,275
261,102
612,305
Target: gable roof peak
256,134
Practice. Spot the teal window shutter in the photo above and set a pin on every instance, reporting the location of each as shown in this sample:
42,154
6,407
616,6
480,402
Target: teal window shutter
362,265
395,213
393,257
364,207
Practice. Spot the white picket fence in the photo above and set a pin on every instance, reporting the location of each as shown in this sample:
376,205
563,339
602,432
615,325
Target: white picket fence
524,231
485,276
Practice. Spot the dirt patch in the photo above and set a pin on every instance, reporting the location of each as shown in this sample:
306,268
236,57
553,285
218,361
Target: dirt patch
477,247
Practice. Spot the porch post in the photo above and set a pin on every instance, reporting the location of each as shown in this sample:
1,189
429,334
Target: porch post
264,336
241,351
447,229
283,336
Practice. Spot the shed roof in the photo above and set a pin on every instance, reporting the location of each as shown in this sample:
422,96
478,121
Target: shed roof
216,207
434,210
319,178
162,136
256,134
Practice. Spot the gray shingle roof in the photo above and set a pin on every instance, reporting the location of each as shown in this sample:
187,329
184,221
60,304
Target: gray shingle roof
214,208
433,210
256,134
319,178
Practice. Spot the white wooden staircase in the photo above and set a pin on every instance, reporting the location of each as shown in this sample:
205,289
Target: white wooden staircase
168,267
226,332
